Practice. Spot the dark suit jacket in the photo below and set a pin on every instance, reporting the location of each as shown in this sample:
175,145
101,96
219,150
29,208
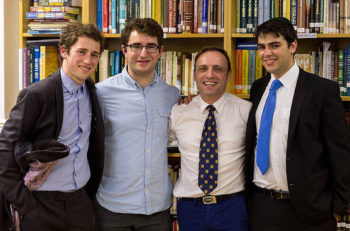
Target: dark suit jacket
37,115
318,147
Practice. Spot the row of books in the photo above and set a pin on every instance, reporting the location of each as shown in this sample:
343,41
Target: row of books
307,16
176,68
55,2
48,17
248,67
38,62
175,16
333,65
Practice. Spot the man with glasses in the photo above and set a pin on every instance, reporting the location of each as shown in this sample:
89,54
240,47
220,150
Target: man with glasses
135,191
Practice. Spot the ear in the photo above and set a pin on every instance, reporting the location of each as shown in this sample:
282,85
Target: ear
161,49
64,52
123,49
293,47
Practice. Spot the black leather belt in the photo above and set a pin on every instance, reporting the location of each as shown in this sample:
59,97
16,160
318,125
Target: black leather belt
60,195
209,199
278,195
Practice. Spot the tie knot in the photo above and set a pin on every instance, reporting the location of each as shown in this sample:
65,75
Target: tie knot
275,85
210,108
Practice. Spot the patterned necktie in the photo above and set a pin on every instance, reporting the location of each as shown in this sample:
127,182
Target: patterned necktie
263,145
208,154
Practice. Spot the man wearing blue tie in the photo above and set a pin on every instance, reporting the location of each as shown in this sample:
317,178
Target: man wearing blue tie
210,131
297,143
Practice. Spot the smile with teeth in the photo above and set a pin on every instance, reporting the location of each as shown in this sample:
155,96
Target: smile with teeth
209,83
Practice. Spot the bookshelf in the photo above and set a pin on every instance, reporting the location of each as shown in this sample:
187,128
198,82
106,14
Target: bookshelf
188,42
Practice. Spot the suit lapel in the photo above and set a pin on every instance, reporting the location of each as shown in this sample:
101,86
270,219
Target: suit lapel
298,99
57,82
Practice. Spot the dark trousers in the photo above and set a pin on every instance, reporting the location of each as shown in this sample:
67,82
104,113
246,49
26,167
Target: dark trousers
227,215
106,220
58,211
268,214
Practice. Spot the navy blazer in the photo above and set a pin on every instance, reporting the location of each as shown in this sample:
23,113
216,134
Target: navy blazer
37,115
318,147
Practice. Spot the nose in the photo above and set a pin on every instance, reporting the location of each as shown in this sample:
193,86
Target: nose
267,51
143,51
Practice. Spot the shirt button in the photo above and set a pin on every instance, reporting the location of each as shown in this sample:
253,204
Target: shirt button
146,190
148,131
148,150
147,171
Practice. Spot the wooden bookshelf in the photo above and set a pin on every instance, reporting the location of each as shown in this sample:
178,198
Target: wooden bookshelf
181,42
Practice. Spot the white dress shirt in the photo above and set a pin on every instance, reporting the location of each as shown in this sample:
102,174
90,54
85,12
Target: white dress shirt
276,175
186,126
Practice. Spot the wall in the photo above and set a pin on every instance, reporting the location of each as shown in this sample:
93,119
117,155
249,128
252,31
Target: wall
11,44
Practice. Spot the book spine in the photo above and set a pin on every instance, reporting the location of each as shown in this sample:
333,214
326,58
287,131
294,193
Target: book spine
105,16
238,74
238,16
114,17
172,16
188,16
205,17
36,64
165,16
293,13
243,16
249,16
99,14
245,71
122,15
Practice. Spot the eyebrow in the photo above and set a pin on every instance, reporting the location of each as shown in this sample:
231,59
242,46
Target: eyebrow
271,43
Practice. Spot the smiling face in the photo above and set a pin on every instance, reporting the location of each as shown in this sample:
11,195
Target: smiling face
275,55
81,60
211,75
141,64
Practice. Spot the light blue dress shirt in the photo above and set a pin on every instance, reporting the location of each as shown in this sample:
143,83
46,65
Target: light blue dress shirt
72,172
135,178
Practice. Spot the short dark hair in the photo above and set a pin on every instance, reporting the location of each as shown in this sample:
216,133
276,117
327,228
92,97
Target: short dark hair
206,49
278,26
73,31
142,25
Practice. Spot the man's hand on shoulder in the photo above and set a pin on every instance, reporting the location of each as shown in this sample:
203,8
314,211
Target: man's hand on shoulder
187,99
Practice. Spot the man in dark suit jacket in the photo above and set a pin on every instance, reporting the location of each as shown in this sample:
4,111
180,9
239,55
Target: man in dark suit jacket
305,183
65,107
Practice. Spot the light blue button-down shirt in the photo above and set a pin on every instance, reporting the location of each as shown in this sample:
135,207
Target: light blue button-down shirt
135,178
72,172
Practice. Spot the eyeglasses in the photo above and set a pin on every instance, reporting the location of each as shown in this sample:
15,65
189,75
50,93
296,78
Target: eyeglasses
152,48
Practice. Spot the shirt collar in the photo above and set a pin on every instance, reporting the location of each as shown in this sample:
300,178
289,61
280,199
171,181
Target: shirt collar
71,86
133,83
289,78
219,104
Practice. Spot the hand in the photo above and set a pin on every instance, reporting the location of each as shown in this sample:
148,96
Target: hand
187,99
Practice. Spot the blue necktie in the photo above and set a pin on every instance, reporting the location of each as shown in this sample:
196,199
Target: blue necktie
208,154
263,146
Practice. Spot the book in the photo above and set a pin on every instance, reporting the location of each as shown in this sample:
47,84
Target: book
48,61
188,16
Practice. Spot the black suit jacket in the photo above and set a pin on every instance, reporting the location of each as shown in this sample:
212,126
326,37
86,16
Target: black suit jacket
318,147
37,115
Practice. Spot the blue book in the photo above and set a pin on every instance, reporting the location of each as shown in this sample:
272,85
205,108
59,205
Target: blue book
36,64
111,64
347,66
122,15
99,14
114,16
247,46
205,17
117,65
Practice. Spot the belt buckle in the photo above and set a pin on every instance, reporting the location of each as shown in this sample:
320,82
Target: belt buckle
207,200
